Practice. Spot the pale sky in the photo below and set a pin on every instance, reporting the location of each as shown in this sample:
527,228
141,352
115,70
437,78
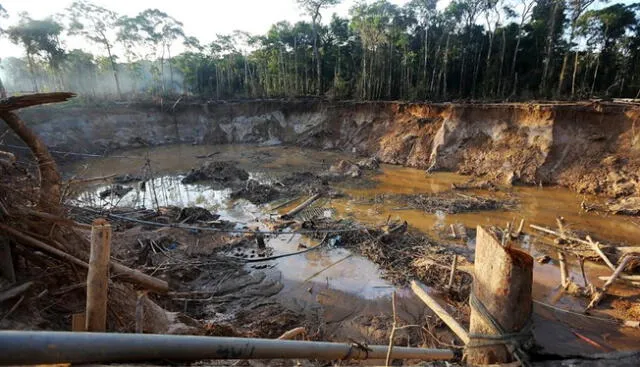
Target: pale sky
201,18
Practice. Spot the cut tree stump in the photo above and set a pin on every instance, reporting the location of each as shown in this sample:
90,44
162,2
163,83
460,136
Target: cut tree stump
502,285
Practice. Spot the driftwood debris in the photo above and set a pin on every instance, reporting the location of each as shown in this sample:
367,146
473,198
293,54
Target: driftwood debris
501,302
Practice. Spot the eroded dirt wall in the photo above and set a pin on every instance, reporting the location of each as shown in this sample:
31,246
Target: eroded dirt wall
590,147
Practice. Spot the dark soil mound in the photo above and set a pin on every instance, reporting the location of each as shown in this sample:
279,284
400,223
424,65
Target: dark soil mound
223,172
257,193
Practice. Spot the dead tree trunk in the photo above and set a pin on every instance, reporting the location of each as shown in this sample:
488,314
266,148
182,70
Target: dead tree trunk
50,194
501,302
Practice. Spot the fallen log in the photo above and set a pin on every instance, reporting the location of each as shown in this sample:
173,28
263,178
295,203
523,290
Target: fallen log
126,273
290,214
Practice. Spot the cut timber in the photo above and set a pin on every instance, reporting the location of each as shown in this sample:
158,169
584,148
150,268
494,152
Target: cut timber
421,291
290,214
125,273
98,276
502,284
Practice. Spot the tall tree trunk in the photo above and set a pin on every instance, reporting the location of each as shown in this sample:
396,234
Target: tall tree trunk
295,61
162,84
565,60
171,86
515,57
575,73
426,56
476,70
32,72
503,52
363,93
488,65
435,65
595,74
390,78
549,51
113,68
316,54
444,66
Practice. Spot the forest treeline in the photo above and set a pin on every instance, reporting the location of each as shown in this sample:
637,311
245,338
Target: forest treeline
472,49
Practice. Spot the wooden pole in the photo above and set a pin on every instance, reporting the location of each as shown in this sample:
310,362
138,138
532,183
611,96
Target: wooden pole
502,284
421,291
98,276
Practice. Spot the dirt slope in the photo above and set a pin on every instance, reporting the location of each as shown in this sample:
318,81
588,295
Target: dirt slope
589,147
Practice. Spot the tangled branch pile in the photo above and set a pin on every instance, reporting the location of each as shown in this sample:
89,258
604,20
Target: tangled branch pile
52,251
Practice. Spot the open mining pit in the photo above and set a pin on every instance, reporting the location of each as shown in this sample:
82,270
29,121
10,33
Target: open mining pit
268,216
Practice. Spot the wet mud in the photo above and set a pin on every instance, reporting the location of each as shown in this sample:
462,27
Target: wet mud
313,289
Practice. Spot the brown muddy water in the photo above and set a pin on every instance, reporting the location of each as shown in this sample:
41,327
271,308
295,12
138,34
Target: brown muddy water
344,283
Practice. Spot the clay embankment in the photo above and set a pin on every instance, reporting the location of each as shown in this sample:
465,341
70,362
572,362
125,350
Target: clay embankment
590,148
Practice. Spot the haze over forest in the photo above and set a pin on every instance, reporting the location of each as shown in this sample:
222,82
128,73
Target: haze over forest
468,49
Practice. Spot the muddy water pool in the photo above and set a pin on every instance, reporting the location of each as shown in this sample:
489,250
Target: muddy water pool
335,277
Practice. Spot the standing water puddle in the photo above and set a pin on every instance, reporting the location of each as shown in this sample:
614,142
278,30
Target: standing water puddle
335,273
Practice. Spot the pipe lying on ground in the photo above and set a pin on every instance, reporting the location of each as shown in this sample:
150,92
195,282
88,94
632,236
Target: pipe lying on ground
40,347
